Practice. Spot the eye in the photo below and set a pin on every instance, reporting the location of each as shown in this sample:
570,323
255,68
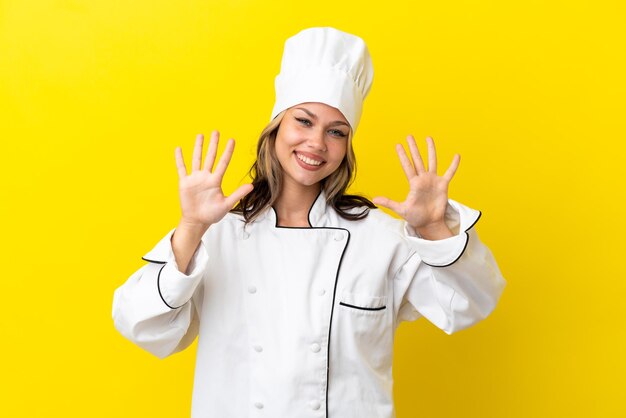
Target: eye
334,132
338,133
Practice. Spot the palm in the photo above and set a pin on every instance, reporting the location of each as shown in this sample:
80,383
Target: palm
201,197
427,199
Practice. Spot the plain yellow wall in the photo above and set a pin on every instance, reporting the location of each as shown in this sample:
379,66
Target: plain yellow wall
95,96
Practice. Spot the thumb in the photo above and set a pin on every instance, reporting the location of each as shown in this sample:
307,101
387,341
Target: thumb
388,203
238,194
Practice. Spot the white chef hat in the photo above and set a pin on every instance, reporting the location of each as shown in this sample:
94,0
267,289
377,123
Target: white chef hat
325,65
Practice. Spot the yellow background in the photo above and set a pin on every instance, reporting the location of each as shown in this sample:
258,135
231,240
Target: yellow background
95,95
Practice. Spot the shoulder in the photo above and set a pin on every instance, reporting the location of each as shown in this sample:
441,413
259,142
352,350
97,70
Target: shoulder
233,217
376,223
229,225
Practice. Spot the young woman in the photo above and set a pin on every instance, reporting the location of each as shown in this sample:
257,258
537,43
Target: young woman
295,294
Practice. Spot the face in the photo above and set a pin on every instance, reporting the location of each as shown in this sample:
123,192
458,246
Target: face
311,142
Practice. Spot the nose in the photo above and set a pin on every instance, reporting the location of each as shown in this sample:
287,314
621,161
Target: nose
317,140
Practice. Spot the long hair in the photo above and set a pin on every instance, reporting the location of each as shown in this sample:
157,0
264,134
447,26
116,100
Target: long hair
267,179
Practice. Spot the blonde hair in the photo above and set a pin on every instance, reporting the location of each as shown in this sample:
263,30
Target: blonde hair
267,179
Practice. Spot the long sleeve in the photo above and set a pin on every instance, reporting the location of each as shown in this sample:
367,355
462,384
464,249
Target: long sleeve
157,307
454,282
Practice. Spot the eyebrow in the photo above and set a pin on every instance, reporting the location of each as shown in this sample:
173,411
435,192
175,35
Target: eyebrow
337,122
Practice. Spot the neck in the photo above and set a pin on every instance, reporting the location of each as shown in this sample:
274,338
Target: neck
293,204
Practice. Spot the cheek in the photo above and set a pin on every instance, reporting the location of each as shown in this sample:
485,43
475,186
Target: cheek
281,145
285,140
339,152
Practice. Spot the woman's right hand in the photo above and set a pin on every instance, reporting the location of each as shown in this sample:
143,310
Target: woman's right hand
202,200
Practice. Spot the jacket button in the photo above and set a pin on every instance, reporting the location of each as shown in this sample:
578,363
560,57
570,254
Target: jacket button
315,405
251,289
315,347
246,235
258,405
321,292
338,236
258,348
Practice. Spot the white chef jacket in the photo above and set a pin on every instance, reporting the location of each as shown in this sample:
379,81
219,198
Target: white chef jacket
300,322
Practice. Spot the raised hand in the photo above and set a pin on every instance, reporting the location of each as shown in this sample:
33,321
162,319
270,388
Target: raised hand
202,200
425,205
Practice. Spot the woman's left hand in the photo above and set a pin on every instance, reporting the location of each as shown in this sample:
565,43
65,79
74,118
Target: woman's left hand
425,205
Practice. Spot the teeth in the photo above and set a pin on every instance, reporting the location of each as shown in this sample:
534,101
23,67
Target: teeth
308,160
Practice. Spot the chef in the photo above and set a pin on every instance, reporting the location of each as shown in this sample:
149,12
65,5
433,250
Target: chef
296,292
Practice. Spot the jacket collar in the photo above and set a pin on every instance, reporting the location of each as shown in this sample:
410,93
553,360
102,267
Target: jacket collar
318,216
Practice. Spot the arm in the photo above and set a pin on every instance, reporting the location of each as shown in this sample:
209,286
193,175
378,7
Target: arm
453,282
451,278
156,308
185,242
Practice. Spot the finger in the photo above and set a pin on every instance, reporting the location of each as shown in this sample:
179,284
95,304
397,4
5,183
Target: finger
408,168
196,160
432,155
452,169
209,160
238,194
225,159
180,163
415,153
389,204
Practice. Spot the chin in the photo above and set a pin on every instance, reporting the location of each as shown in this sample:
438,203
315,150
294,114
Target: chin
308,182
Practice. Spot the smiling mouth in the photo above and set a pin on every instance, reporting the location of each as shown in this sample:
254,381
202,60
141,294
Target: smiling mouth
308,160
